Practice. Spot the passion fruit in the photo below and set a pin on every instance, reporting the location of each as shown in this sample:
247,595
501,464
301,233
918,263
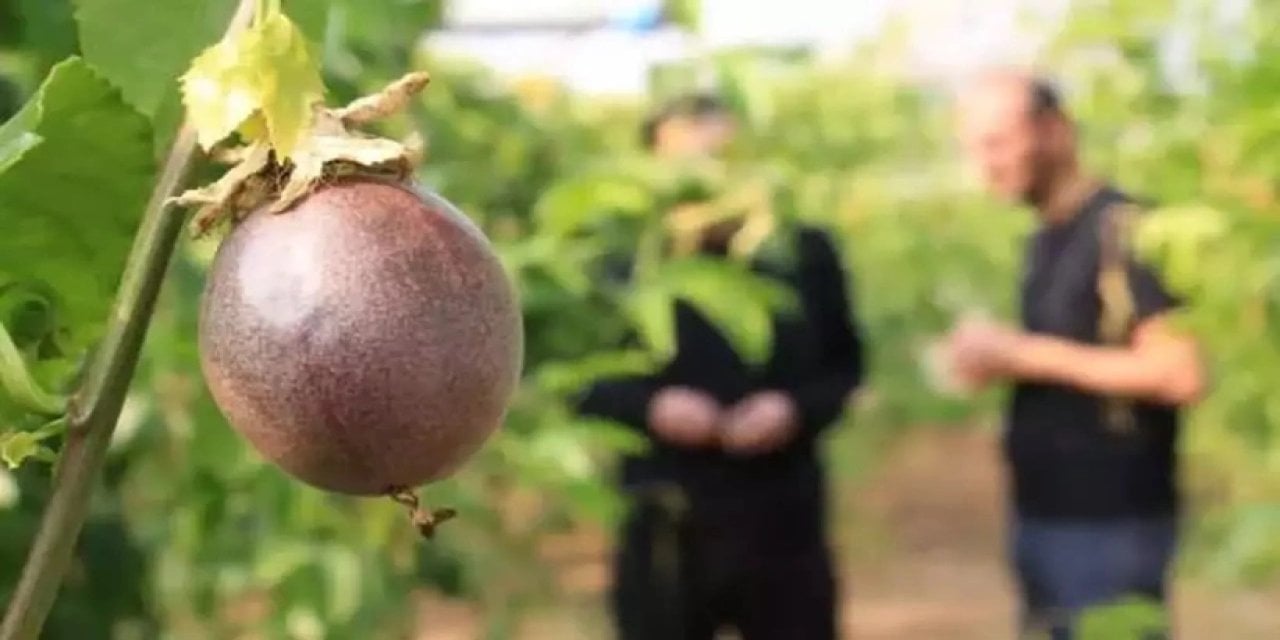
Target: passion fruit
366,340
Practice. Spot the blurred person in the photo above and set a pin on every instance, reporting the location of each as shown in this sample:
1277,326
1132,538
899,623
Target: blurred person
1099,374
728,522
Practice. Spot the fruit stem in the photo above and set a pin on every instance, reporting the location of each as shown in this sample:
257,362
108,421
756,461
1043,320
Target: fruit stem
426,521
95,407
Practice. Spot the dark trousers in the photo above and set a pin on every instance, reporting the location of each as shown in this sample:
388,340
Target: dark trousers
683,576
1065,568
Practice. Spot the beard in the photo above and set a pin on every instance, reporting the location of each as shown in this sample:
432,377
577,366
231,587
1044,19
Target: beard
1043,183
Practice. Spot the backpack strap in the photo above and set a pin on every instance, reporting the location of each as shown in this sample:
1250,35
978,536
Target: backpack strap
1116,317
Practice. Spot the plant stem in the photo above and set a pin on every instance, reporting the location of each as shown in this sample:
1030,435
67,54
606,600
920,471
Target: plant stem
95,408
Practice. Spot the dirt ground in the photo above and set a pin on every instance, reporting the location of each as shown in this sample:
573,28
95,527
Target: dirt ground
922,561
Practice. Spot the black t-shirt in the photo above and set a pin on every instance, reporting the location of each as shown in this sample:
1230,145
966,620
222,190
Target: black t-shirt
1066,462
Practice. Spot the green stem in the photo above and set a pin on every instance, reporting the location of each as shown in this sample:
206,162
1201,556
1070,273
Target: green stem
265,9
17,381
95,408
50,429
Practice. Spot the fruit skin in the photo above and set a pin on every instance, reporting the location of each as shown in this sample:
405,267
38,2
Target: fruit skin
365,340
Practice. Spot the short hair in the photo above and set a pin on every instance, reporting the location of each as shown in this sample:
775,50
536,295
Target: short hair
692,105
1045,99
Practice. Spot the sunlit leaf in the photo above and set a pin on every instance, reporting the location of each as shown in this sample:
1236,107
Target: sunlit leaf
650,309
614,437
16,447
572,205
343,580
266,70
278,562
741,304
568,376
10,493
18,386
289,82
1128,618
562,451
221,90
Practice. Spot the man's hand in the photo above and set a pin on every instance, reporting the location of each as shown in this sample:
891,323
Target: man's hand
760,423
1160,365
981,351
684,417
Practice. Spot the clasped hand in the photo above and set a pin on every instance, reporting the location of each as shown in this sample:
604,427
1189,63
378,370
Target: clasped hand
760,423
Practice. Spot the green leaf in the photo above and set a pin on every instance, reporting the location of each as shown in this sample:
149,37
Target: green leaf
12,149
559,451
10,25
1127,618
342,571
572,205
290,82
17,446
650,310
685,13
265,76
277,562
739,303
384,32
142,46
48,29
221,90
570,376
311,16
16,381
615,437
77,168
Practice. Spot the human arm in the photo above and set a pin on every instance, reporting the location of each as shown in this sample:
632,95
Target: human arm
1159,364
821,397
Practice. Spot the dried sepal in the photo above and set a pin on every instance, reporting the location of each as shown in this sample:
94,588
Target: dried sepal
241,186
391,100
319,152
331,142
327,150
415,148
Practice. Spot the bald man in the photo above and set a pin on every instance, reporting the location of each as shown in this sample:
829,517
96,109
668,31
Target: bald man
1091,426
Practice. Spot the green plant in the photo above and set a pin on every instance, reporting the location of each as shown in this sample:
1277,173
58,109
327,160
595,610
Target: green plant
203,534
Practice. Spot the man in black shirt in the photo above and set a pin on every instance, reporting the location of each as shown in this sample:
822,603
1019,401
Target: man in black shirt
1092,423
728,525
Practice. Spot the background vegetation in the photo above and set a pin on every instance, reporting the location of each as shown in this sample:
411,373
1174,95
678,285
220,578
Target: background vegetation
193,536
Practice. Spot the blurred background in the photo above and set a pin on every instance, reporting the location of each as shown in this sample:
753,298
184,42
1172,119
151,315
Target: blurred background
532,127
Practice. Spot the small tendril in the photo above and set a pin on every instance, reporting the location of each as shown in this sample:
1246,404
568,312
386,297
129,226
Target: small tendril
426,521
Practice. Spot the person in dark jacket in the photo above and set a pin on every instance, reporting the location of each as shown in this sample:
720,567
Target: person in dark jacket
1099,373
729,512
